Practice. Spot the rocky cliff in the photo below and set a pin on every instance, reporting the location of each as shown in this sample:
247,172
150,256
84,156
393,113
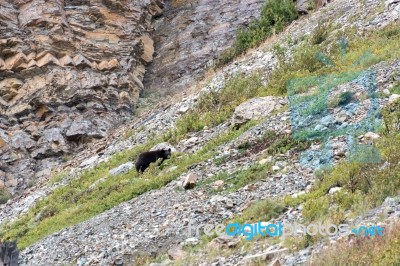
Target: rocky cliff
70,71
190,36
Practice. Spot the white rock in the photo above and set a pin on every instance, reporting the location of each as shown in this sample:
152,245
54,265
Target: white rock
122,169
193,241
255,108
190,181
89,161
217,198
371,136
182,110
295,195
192,141
218,184
275,168
393,98
334,190
265,161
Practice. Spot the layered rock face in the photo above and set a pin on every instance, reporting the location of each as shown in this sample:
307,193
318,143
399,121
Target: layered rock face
191,35
69,71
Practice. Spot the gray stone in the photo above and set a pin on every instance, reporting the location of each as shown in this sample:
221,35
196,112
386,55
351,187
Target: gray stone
89,161
393,98
255,108
122,169
163,146
334,190
176,253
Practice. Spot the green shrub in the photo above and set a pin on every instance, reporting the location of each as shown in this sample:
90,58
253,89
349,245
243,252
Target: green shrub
320,54
287,143
364,185
263,210
275,15
321,33
215,107
345,98
4,195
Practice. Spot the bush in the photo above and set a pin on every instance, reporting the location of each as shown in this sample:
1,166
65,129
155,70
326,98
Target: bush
321,33
263,210
215,107
275,15
320,54
4,195
364,185
345,98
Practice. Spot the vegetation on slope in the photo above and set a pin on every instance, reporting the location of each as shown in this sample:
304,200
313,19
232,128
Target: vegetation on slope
363,185
379,250
215,107
275,15
80,200
322,53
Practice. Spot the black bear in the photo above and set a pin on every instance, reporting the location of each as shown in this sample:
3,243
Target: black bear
148,157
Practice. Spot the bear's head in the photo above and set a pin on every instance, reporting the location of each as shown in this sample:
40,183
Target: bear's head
167,153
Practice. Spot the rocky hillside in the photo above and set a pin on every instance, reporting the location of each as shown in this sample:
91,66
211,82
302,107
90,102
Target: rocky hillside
241,147
73,70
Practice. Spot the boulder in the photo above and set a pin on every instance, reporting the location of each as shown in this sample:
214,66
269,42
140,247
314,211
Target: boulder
334,190
176,253
255,108
190,181
303,6
371,136
122,169
223,242
218,184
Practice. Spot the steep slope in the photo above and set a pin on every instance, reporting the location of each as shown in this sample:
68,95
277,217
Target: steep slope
156,219
71,71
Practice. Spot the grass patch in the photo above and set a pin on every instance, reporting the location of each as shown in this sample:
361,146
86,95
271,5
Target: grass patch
56,178
272,143
275,15
396,88
341,99
287,143
321,54
79,200
379,250
263,210
4,195
239,179
364,185
215,107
